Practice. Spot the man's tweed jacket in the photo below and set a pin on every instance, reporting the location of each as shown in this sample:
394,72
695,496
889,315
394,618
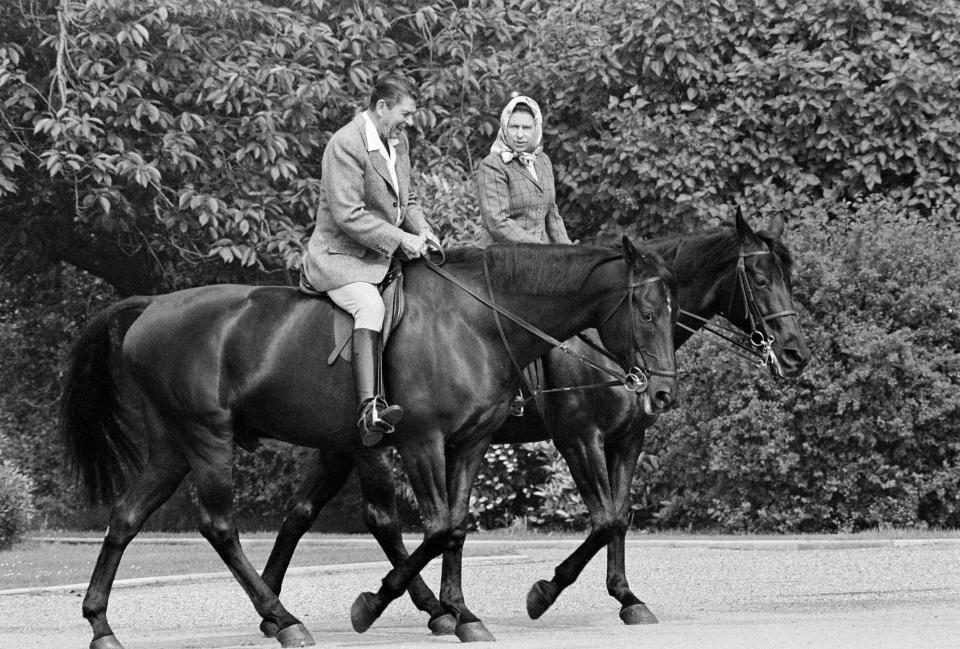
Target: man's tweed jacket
355,235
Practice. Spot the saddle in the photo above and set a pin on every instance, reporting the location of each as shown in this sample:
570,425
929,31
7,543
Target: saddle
391,289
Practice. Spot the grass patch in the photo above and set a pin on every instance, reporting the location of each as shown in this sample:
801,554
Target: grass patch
44,563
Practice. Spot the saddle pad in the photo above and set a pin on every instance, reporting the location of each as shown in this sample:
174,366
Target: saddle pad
343,321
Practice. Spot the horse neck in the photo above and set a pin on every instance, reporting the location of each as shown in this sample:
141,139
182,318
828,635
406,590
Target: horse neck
700,286
540,298
560,316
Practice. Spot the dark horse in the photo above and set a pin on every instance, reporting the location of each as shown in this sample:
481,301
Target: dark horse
205,368
737,273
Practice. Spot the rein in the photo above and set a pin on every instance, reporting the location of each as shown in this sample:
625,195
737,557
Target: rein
635,381
761,340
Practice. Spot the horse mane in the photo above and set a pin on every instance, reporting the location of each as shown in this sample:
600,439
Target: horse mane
534,268
694,255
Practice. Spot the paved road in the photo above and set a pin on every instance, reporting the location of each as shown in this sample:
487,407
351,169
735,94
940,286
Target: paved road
821,596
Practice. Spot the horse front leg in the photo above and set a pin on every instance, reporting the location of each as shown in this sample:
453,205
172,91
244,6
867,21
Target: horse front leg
461,473
585,457
382,520
622,463
328,473
424,463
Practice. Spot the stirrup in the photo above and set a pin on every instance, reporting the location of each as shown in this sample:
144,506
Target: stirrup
377,419
516,405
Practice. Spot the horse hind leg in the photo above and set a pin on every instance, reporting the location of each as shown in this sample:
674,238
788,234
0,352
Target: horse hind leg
213,476
328,474
153,487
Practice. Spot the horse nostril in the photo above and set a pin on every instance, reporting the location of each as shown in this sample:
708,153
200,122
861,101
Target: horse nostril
663,399
793,359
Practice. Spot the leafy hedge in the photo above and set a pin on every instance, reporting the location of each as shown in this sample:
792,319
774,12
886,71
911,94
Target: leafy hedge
662,115
16,504
39,315
196,128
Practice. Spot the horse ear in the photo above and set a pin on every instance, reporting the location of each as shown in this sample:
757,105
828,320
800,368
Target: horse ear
743,229
630,251
776,226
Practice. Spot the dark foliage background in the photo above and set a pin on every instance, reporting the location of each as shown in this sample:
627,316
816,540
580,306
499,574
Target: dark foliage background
150,145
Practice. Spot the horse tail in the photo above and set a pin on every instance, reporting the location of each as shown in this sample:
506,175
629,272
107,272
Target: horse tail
97,448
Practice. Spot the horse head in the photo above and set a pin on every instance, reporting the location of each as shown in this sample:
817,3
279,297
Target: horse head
639,329
759,299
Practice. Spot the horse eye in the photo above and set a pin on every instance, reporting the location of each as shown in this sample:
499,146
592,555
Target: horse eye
761,282
646,316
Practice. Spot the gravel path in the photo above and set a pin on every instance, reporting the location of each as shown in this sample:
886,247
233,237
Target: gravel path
894,596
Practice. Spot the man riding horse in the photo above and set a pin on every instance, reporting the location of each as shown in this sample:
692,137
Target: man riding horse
368,211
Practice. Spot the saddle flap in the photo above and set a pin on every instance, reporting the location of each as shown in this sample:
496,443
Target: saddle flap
392,293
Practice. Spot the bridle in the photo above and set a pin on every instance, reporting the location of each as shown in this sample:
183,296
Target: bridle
760,337
635,380
638,345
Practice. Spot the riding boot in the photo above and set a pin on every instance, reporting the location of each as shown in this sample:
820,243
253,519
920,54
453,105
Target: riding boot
376,418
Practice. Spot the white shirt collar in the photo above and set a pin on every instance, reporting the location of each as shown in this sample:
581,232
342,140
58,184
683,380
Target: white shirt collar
374,142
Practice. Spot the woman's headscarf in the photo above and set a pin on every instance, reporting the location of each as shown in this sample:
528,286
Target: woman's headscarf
500,145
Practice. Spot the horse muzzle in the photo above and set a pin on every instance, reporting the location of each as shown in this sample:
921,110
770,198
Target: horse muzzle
788,361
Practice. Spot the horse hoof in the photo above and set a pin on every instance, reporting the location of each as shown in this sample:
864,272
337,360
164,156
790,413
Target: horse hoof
269,628
363,613
295,635
444,624
474,632
637,614
541,596
106,642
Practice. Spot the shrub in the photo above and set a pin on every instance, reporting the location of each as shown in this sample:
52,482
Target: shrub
16,504
40,313
448,196
661,114
508,485
560,505
265,483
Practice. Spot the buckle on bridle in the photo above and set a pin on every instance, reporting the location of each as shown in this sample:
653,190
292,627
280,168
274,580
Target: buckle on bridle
759,339
635,380
764,344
